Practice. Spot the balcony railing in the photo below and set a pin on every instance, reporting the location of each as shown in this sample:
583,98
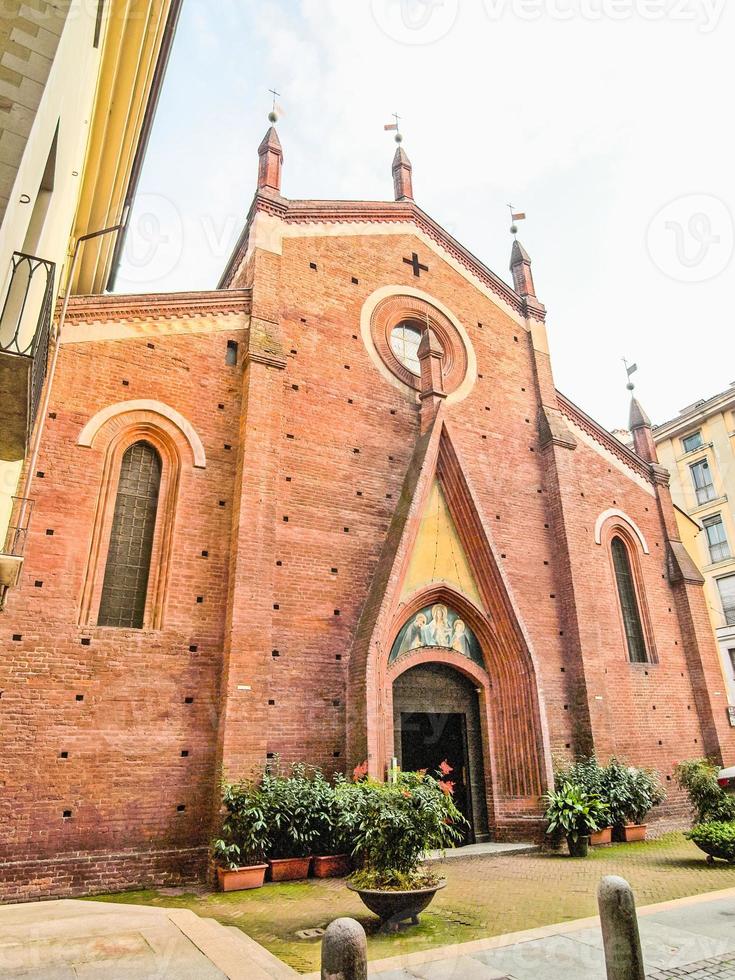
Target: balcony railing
25,324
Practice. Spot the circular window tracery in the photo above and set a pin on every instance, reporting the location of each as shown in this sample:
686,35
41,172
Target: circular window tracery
397,325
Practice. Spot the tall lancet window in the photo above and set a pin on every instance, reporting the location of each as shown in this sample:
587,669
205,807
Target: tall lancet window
629,602
131,540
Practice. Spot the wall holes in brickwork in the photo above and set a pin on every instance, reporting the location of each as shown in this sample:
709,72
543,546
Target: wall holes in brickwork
221,503
193,648
290,435
38,584
562,670
85,641
275,653
336,612
52,415
220,406
184,753
336,754
188,699
279,563
17,637
40,474
150,346
271,701
502,556
289,479
312,265
231,353
546,525
293,349
125,383
78,697
338,656
335,703
349,401
355,281
66,814
200,598
276,605
303,320
479,325
50,532
566,707
389,496
227,447
285,519
205,554
546,563
561,632
516,339
180,808
347,367
294,387
484,437
64,754
333,571
346,529
270,755
660,742
356,451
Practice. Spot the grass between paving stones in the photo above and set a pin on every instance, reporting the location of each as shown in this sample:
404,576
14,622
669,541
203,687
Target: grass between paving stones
484,897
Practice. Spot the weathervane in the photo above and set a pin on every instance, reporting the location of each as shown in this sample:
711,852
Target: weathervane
273,115
515,216
394,127
630,369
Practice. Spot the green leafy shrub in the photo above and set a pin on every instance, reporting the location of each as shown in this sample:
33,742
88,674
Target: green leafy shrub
244,837
291,806
645,792
573,812
628,792
716,838
392,824
329,804
698,778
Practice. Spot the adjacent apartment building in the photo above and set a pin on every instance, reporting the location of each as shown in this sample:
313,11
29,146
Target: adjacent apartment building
78,89
698,448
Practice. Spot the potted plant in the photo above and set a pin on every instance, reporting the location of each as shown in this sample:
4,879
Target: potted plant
643,792
716,839
575,813
589,775
332,845
240,850
709,802
392,825
290,808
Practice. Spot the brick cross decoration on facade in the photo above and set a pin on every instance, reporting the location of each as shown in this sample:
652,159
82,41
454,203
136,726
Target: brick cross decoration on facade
418,268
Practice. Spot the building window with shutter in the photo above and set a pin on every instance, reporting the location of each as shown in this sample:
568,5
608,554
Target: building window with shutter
692,442
703,483
719,549
125,584
629,602
727,595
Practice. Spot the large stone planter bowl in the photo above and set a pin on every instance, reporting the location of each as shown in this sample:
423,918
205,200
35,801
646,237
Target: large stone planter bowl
392,908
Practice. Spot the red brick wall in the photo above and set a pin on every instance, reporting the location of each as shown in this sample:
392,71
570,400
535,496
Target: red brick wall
319,452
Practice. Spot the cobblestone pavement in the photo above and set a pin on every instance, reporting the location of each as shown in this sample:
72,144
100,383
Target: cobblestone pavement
719,968
484,897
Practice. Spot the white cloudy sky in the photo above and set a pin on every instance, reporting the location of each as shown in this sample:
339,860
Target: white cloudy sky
608,121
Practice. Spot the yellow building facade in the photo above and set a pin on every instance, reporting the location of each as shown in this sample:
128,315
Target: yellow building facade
698,449
79,84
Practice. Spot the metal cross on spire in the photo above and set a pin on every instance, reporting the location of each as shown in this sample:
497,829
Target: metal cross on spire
273,115
515,216
394,127
630,369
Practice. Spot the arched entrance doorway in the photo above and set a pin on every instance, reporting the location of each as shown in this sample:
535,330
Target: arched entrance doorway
436,718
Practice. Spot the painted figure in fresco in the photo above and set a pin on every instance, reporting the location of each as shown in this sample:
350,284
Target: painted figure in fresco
460,640
441,634
415,634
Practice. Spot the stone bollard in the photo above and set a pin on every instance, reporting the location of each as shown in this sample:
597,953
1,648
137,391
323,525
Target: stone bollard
344,951
623,956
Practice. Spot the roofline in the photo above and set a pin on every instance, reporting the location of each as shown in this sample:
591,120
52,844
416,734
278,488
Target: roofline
167,40
311,211
706,408
133,306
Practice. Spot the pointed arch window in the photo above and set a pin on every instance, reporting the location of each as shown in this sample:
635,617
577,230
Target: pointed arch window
632,622
127,569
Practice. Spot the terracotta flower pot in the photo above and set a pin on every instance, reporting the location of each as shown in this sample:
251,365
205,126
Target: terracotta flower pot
331,866
289,869
578,848
601,836
392,907
634,831
238,879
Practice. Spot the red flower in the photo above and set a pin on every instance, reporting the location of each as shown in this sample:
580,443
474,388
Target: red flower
406,794
445,768
359,772
446,787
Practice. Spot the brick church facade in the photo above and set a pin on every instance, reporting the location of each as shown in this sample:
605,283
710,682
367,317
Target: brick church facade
334,511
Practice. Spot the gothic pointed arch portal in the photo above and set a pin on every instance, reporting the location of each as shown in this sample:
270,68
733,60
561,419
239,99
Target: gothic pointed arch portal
511,727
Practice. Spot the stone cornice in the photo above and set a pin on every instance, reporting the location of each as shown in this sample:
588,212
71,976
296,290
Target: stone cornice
696,413
604,438
156,306
378,212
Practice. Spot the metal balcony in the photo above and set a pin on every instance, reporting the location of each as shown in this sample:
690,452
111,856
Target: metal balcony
25,323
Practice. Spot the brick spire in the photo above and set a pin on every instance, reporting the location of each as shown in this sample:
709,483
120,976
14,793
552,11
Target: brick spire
642,431
271,161
520,266
402,182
